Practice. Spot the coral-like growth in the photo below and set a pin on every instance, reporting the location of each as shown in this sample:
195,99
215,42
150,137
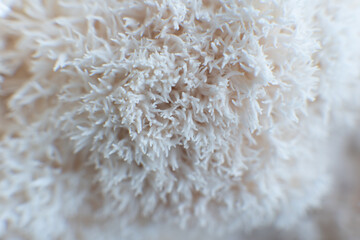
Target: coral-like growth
196,114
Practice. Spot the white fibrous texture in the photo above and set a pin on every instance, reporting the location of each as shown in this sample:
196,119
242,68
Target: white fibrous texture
124,117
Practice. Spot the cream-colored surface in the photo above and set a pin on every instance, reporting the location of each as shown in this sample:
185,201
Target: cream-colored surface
125,118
